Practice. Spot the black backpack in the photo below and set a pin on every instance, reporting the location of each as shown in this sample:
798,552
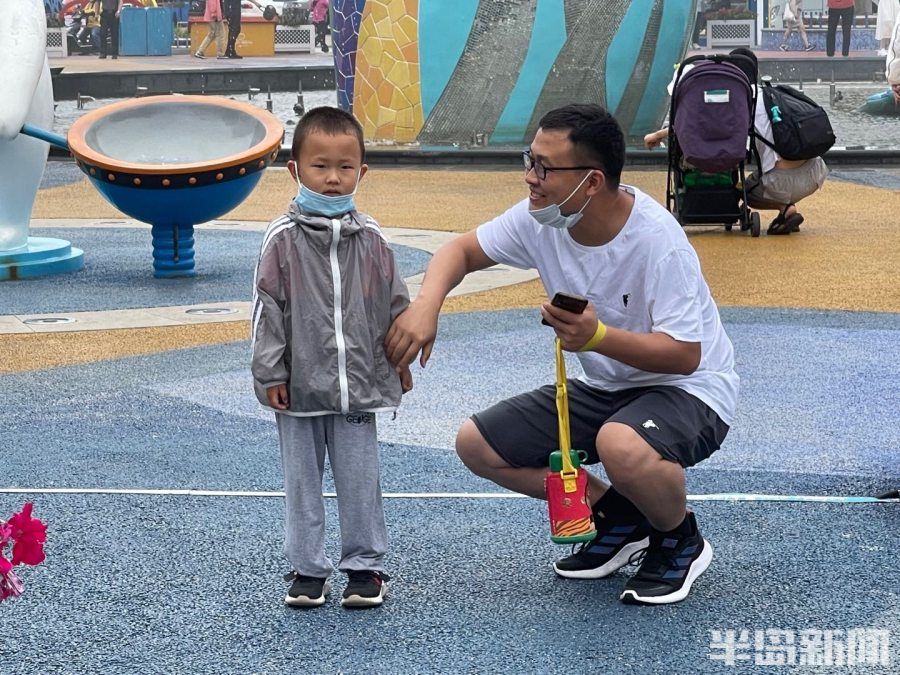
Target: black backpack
800,127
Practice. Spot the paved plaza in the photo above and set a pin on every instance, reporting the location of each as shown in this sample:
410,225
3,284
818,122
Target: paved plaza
135,432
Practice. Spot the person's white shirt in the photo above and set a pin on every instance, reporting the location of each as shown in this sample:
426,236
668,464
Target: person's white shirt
763,127
892,62
647,279
886,17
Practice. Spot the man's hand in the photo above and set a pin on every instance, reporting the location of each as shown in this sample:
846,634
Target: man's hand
406,380
278,397
414,330
573,330
653,140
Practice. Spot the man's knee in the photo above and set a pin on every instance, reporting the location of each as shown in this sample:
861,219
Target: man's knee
475,452
622,451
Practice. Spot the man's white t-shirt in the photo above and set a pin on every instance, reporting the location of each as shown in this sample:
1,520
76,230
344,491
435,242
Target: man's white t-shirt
646,280
763,126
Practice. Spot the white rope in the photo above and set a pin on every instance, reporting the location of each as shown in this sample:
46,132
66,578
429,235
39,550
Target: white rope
715,497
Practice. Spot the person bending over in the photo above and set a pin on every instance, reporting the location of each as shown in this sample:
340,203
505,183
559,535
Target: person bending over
659,387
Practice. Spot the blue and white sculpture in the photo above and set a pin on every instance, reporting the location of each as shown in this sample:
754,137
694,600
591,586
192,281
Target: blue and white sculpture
27,99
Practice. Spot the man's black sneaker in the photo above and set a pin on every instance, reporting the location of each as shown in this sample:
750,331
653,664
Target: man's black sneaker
611,549
670,566
306,591
365,589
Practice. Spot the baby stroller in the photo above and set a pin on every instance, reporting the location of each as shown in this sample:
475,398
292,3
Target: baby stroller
710,139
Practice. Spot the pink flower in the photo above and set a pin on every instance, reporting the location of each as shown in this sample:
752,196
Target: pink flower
29,535
10,585
5,535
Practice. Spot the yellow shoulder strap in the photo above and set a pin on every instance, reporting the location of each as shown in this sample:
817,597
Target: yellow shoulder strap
562,411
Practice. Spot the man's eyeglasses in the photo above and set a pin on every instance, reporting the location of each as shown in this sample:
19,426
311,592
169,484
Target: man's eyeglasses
541,171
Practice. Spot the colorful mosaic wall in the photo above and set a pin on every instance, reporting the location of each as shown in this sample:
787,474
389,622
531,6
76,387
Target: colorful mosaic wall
346,19
444,72
387,99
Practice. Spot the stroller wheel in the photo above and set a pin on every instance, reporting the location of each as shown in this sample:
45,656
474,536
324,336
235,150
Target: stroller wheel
728,226
754,224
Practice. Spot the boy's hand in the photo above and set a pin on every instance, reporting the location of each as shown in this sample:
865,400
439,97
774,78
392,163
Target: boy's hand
406,381
278,396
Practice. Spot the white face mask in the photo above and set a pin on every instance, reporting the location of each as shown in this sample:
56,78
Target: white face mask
551,216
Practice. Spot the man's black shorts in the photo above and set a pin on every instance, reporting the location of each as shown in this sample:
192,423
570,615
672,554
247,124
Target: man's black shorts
523,429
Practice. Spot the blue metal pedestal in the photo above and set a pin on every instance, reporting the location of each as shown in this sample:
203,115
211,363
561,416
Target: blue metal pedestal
173,251
40,257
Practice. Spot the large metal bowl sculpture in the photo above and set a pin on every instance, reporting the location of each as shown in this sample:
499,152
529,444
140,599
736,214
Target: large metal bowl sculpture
175,161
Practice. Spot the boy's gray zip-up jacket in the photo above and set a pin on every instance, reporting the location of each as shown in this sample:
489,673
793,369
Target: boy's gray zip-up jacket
325,294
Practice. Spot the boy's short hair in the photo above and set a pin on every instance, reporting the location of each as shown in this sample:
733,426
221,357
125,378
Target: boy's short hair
596,135
331,121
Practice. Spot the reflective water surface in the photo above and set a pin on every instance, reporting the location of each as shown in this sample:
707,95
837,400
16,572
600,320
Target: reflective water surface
174,133
853,128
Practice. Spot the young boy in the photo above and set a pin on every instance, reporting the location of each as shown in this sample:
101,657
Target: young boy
327,289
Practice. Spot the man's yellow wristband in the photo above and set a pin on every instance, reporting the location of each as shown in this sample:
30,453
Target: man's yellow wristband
596,340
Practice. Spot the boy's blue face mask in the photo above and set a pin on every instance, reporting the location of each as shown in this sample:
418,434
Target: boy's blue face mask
324,205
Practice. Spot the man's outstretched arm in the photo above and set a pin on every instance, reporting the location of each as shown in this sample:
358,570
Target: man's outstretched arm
416,328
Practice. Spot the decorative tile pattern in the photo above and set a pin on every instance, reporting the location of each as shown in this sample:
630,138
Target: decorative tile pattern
490,69
387,95
627,109
347,16
487,71
579,73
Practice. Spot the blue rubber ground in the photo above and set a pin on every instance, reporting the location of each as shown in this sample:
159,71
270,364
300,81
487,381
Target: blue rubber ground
192,584
118,272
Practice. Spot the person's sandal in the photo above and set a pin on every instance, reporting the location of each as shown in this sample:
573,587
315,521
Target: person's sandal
785,224
778,226
794,221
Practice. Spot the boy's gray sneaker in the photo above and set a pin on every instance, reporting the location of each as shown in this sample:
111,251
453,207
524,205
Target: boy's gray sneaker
306,591
365,589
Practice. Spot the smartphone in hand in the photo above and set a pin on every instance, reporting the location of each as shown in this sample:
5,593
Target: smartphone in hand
569,302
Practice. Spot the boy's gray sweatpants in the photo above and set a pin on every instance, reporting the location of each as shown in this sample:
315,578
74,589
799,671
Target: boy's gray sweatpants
352,444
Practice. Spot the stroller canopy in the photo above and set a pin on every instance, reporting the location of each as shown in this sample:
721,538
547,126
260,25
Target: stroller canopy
712,115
